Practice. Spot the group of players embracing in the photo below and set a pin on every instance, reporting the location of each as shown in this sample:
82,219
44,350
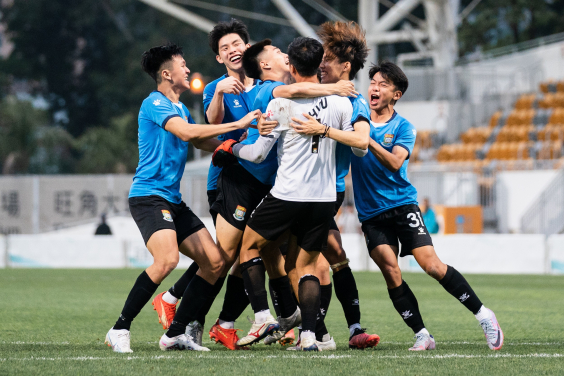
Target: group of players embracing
285,129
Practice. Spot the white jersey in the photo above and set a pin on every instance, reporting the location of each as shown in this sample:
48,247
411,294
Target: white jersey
306,164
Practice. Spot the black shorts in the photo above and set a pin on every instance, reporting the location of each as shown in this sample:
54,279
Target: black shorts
338,203
238,194
308,221
404,223
153,213
212,196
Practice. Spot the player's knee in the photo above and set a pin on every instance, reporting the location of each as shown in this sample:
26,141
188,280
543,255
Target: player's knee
390,270
434,269
166,266
216,266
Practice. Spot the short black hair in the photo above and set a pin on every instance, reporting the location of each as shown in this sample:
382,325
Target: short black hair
251,64
305,54
391,72
227,27
153,60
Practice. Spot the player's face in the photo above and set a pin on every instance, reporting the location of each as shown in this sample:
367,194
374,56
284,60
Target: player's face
231,48
331,70
178,73
276,59
382,92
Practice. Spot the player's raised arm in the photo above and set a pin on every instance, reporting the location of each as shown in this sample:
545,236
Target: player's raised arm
216,108
200,132
343,88
358,138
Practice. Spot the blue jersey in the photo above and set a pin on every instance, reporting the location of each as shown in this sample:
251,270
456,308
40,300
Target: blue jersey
377,189
265,172
235,108
343,153
162,155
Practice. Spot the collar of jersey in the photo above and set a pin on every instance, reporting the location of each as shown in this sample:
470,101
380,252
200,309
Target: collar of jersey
382,124
161,93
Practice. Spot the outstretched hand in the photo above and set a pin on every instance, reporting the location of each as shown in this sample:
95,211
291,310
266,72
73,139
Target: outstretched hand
247,119
310,127
266,126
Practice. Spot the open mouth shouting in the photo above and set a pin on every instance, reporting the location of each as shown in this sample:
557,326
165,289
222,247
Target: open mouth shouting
374,99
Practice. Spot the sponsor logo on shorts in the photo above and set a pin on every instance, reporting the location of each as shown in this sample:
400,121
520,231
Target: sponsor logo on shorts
240,213
422,231
388,138
166,215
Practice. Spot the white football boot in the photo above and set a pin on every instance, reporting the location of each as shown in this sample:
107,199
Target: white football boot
424,341
308,343
492,331
180,342
327,343
259,331
196,331
286,324
119,340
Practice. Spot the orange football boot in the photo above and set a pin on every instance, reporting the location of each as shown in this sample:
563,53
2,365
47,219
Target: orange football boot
227,337
166,311
361,340
288,338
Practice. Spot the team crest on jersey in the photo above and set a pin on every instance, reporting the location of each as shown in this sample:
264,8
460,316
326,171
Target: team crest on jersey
236,103
388,138
240,213
166,215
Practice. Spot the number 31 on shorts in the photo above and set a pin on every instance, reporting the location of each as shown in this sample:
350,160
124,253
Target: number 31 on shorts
415,221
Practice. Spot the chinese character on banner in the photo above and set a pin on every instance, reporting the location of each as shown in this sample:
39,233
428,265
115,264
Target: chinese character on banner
11,203
110,203
88,203
63,203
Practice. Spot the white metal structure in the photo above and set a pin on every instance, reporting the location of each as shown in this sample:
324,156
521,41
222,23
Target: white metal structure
434,37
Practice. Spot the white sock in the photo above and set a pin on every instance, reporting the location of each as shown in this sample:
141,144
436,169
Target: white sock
353,327
423,331
169,298
307,333
482,314
226,324
262,316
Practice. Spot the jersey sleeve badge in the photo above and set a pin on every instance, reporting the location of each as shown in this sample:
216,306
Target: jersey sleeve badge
388,138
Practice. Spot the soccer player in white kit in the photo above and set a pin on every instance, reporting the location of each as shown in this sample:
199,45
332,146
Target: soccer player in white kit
304,193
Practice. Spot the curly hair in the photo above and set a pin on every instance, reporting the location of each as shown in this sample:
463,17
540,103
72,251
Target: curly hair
345,41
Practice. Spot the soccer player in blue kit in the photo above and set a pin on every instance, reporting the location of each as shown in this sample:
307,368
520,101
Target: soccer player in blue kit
167,225
387,207
226,99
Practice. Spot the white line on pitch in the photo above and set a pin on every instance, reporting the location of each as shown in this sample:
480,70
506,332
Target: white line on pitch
383,342
322,357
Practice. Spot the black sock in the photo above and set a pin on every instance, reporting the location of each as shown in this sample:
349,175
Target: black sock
177,290
235,301
458,287
283,292
310,300
216,289
193,302
406,304
140,294
347,293
325,298
274,298
253,275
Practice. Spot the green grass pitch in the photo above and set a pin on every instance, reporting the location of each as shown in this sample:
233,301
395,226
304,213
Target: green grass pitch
54,322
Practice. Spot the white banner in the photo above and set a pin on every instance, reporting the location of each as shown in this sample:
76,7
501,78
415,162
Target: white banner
37,251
